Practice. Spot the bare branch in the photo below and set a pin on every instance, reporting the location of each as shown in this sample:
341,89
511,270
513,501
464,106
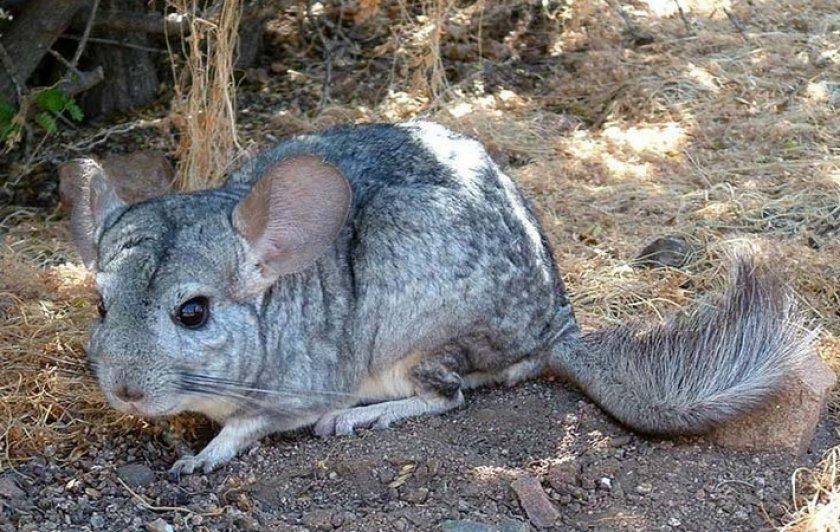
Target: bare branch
9,67
114,42
153,22
85,35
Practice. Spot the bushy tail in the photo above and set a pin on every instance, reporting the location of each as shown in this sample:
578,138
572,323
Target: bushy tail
695,371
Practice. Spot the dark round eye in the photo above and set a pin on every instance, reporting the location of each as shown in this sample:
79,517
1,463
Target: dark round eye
100,307
193,313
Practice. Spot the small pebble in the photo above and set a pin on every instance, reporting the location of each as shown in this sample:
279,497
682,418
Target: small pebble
159,525
644,488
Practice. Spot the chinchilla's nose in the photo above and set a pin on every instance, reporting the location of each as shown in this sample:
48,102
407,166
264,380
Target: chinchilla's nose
129,393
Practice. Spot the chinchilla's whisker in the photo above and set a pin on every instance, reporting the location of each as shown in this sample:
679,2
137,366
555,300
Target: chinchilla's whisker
244,387
226,395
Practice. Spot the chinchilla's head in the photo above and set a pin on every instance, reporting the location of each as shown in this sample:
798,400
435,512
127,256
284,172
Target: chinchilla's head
181,277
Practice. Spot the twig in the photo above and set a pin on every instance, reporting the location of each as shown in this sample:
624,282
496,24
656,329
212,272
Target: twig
9,67
82,82
732,481
114,43
639,37
103,136
61,59
687,24
328,61
153,22
82,43
737,23
146,505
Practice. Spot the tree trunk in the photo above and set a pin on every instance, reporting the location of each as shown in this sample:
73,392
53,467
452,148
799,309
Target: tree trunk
30,37
130,75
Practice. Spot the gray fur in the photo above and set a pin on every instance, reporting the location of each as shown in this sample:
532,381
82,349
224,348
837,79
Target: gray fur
440,280
697,370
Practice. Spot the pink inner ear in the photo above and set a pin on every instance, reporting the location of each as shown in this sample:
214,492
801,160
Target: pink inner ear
293,214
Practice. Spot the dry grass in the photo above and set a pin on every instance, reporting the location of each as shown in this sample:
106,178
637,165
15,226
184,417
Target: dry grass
204,107
819,509
49,402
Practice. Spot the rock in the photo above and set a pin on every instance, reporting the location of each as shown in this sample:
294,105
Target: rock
788,421
136,475
465,525
416,496
9,488
644,488
246,523
564,475
159,525
535,502
318,520
97,522
669,251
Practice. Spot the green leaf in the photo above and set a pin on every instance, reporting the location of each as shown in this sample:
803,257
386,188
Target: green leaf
46,121
6,129
74,110
7,111
51,100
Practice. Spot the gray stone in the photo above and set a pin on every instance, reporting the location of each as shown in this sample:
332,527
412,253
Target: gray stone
159,525
9,488
465,525
318,520
136,475
668,251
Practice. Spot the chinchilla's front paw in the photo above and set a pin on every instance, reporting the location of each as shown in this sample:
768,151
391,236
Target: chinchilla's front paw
189,464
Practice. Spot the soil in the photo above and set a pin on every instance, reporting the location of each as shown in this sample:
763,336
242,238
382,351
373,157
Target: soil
442,472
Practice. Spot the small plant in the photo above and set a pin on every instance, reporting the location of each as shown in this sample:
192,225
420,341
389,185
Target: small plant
48,105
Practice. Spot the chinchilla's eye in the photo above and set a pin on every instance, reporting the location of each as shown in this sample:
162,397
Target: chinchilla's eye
100,307
193,313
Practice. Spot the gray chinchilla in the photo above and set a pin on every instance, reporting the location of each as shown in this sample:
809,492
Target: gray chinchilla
366,274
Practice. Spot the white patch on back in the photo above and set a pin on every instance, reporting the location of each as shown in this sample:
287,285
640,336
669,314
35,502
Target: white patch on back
464,157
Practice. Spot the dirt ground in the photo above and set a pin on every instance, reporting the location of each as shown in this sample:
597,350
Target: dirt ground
426,472
719,125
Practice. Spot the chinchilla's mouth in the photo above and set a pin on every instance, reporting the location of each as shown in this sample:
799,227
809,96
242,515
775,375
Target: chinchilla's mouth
141,411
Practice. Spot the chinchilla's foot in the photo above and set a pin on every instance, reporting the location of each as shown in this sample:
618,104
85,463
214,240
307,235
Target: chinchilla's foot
382,415
237,435
189,464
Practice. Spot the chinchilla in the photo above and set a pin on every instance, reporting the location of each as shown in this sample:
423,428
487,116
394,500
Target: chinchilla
366,274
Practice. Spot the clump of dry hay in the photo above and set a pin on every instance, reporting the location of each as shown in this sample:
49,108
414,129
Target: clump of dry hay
48,398
816,497
204,106
51,403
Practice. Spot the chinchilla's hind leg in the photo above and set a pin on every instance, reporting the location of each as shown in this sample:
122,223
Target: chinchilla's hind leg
382,415
432,385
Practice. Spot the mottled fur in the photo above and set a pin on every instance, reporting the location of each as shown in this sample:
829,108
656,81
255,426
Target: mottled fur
440,280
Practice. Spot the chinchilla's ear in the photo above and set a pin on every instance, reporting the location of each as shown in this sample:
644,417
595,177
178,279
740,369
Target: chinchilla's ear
291,216
91,197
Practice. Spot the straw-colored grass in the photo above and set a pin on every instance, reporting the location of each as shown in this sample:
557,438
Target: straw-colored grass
818,508
204,106
48,398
